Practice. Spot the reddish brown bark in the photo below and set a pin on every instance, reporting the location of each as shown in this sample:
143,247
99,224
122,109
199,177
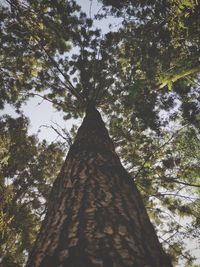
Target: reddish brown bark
96,217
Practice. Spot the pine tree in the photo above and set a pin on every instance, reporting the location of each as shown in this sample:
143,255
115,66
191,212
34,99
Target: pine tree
95,215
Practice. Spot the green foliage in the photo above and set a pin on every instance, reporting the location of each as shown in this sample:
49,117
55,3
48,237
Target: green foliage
32,36
144,77
166,170
154,53
28,168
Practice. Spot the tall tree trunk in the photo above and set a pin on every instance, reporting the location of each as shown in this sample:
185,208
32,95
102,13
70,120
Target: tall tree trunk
96,217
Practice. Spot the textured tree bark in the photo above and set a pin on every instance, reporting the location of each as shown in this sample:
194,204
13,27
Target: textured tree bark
96,217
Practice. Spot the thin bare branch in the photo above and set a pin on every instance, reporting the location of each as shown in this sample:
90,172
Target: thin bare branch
67,138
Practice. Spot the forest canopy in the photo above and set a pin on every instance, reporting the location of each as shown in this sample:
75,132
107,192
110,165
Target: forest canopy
143,76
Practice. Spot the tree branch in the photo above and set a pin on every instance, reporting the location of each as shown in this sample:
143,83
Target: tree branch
68,84
158,149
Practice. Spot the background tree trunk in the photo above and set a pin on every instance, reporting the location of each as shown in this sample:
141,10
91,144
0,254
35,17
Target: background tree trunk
95,214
